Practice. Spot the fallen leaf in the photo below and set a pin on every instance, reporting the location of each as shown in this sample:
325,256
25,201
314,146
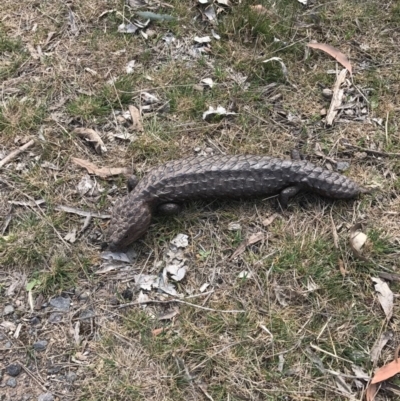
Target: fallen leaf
283,66
259,9
103,172
253,238
379,344
135,115
269,220
385,296
336,54
204,39
386,372
357,240
210,13
155,17
342,268
219,111
157,332
169,315
93,137
372,391
71,236
244,274
208,81
130,67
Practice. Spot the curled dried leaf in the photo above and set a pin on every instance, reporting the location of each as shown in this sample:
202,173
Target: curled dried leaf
103,172
93,137
335,53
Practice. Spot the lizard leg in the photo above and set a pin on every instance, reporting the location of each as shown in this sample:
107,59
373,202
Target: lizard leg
169,208
132,182
288,193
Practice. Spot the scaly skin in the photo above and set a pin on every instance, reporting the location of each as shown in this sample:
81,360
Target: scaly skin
222,177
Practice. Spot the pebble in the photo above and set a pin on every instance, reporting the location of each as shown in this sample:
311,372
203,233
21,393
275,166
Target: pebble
71,377
55,317
11,382
60,303
14,369
342,166
35,320
46,397
86,314
8,309
40,345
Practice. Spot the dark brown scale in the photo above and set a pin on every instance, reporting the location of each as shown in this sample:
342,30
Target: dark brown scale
220,176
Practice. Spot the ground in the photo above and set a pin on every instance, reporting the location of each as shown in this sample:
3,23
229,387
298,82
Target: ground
293,316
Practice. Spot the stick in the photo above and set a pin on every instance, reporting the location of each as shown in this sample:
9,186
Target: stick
179,301
16,152
373,152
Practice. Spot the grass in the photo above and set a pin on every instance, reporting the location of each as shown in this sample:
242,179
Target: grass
300,311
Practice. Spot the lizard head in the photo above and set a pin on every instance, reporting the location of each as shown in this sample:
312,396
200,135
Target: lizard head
129,222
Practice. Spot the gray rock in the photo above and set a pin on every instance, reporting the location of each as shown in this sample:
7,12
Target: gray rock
40,345
46,397
11,382
14,369
342,166
8,309
86,314
71,377
60,303
55,317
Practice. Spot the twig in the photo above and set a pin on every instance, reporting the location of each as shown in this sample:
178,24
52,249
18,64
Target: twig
179,301
328,353
374,152
33,376
83,213
40,211
16,152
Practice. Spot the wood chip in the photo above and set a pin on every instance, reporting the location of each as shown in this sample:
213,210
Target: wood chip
15,153
136,119
337,97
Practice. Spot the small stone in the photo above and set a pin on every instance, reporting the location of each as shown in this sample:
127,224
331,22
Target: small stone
46,397
60,303
342,166
8,345
35,321
40,345
127,294
55,317
14,369
54,369
86,314
83,296
209,150
8,309
71,377
11,382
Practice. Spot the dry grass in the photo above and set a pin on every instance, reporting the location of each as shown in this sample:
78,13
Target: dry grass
301,313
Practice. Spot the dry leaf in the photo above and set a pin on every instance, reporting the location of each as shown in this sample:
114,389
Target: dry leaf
336,54
156,332
103,172
269,220
342,268
259,9
135,115
379,344
93,137
249,241
357,240
386,372
385,296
